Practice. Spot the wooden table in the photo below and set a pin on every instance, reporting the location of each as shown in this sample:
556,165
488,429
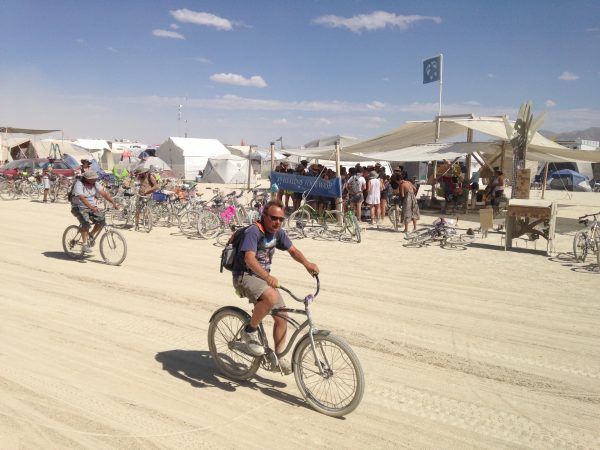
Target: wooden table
533,217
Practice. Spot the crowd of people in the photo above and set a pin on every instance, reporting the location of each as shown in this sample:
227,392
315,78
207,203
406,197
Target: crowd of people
369,185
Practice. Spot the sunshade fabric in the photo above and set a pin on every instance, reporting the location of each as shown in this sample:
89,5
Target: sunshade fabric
413,142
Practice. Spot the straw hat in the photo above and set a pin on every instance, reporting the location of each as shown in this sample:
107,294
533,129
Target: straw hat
373,174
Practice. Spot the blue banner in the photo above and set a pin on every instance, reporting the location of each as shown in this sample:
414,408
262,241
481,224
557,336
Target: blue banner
432,69
299,183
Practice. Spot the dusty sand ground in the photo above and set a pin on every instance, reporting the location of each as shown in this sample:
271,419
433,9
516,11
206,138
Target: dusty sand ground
478,348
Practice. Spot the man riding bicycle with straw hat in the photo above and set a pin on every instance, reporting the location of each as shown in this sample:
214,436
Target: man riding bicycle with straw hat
252,277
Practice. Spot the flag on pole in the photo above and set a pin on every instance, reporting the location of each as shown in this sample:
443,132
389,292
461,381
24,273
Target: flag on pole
432,69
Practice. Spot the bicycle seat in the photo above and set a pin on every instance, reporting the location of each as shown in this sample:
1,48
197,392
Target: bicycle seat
584,221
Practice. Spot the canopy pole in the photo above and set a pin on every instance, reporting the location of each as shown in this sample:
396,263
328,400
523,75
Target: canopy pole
339,205
545,179
272,156
249,165
468,173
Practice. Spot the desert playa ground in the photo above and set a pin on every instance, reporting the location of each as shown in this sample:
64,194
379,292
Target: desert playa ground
479,348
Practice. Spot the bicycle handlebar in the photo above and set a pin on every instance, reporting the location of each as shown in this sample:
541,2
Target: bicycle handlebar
589,215
309,298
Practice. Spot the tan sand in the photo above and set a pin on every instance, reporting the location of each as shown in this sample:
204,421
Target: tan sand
477,348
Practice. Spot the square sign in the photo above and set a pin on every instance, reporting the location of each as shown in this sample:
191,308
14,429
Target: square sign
432,69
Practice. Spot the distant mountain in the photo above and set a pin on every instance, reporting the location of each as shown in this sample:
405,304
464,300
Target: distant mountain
591,134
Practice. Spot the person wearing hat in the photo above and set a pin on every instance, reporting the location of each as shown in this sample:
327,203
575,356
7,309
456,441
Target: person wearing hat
148,185
373,198
84,207
86,164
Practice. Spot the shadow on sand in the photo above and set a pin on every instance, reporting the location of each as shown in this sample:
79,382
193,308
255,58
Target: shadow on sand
197,368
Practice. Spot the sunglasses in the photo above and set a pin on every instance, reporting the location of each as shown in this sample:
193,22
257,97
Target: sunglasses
277,218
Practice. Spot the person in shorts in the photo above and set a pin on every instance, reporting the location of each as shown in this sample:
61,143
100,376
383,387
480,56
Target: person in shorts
355,185
252,277
84,207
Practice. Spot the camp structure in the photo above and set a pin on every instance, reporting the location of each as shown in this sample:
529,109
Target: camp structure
15,147
569,180
151,162
186,156
227,169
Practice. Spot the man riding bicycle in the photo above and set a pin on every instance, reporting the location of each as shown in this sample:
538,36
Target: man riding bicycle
252,277
83,206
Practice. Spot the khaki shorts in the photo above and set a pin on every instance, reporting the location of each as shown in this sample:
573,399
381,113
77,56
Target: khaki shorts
252,287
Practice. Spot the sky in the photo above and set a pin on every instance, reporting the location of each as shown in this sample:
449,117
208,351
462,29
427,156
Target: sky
254,71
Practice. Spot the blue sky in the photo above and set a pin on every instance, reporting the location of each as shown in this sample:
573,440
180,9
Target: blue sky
258,70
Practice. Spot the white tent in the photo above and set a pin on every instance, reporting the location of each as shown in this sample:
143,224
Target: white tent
151,162
227,169
187,156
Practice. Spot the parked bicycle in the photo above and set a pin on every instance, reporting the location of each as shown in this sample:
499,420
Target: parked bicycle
306,221
394,211
112,244
588,240
348,226
326,369
442,230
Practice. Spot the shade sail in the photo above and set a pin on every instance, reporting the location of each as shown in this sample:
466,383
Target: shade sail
413,141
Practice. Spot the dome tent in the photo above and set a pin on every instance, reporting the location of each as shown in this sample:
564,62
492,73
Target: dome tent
227,169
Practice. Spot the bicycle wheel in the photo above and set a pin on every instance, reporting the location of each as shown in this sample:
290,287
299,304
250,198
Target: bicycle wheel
4,190
72,243
209,225
580,245
223,333
147,219
113,248
416,239
188,222
338,389
394,216
298,221
354,228
34,191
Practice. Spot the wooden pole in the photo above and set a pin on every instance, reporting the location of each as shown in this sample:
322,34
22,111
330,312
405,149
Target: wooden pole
272,156
249,165
545,179
468,172
339,206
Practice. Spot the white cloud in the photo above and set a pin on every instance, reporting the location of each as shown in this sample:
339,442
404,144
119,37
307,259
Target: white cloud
386,79
472,103
167,34
81,42
112,49
375,105
201,18
239,80
568,76
322,121
592,30
491,75
174,26
550,103
283,121
373,21
202,60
